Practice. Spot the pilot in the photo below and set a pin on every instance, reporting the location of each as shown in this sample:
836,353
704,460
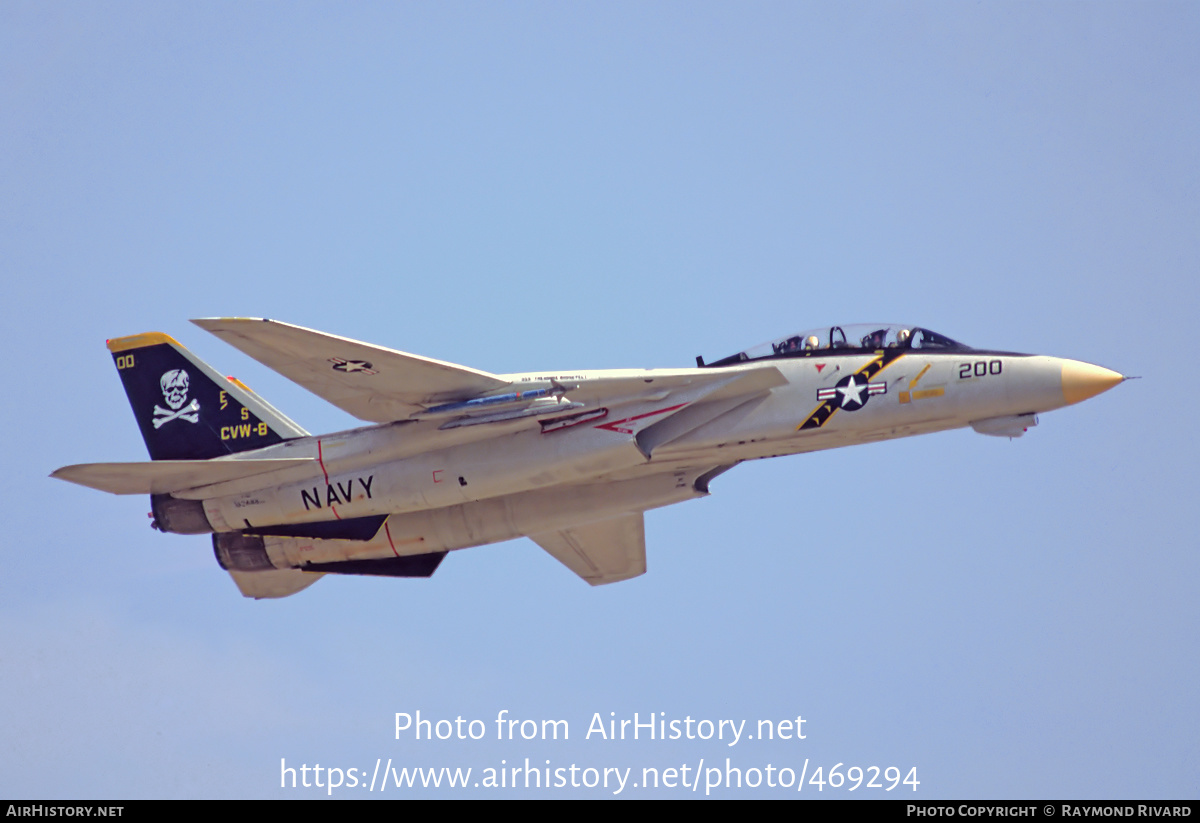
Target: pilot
811,343
875,339
902,338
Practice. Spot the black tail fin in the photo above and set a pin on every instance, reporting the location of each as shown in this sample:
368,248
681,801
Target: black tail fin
187,411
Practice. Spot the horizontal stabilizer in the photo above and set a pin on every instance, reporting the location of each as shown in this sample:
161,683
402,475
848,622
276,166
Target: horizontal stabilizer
602,552
370,382
167,476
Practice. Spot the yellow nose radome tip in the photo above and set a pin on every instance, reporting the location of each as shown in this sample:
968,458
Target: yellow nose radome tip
1083,380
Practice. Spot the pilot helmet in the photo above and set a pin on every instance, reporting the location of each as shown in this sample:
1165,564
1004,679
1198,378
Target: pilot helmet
811,342
902,336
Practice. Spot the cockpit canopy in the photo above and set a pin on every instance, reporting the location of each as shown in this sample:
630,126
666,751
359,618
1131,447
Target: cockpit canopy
852,339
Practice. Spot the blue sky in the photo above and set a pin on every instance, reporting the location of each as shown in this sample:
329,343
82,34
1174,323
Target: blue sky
543,186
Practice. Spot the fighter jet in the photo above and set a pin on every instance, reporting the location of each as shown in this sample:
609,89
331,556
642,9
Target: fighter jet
456,457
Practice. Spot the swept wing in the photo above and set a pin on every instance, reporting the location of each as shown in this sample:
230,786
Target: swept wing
372,383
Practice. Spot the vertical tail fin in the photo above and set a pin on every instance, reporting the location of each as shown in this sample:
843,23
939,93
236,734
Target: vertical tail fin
187,411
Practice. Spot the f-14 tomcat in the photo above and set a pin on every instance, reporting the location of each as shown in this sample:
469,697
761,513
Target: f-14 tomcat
572,459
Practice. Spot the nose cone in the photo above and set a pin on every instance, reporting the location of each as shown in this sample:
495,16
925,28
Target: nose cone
1083,380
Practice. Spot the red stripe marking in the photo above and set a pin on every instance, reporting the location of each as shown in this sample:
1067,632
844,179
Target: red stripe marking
388,532
612,424
324,471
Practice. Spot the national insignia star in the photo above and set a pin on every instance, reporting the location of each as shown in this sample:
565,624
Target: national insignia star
852,392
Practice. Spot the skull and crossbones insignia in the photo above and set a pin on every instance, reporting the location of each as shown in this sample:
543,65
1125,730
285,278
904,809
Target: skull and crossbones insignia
174,386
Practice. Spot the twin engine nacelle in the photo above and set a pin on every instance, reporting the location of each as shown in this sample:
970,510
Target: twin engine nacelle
235,551
238,552
179,516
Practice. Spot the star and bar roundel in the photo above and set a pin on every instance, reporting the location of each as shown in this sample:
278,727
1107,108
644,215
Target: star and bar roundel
360,366
852,392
